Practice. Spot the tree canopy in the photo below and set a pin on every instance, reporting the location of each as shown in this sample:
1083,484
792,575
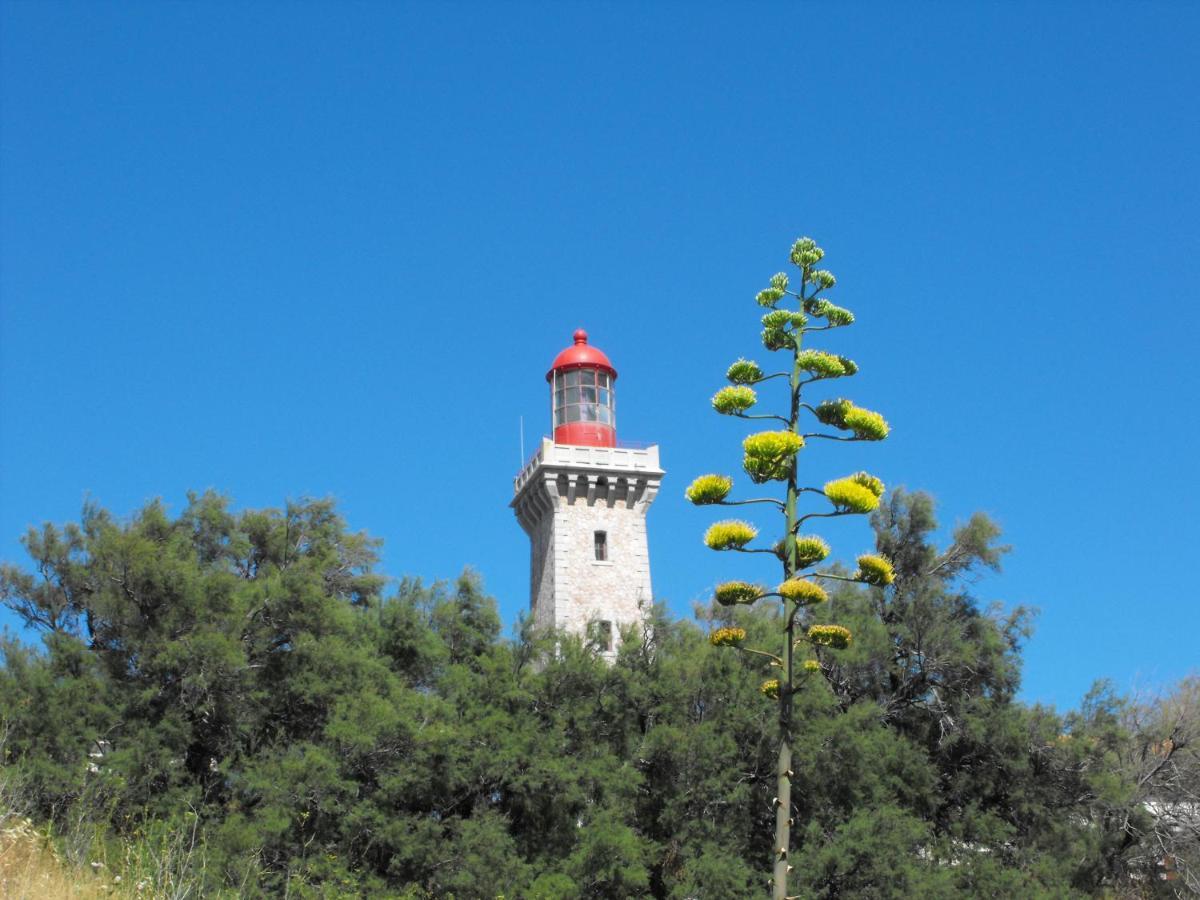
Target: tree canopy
250,676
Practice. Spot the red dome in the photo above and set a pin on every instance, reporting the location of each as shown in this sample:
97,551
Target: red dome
581,356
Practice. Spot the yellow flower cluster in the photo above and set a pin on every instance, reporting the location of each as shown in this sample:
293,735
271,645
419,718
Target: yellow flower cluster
768,455
841,413
729,535
727,637
805,593
810,665
847,494
730,593
822,364
709,489
833,412
834,636
730,401
870,482
810,550
867,425
875,570
770,688
744,371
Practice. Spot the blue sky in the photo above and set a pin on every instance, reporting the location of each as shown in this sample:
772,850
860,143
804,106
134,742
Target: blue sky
330,249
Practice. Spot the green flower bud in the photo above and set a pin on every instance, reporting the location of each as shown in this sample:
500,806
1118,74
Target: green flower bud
822,278
810,665
768,455
867,425
780,320
731,593
730,401
838,316
870,482
848,495
729,535
777,319
805,252
833,412
779,281
849,366
744,371
820,363
709,489
834,636
769,297
727,637
810,550
804,593
823,309
875,570
774,339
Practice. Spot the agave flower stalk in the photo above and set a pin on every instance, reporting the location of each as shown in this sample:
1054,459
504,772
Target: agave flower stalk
772,456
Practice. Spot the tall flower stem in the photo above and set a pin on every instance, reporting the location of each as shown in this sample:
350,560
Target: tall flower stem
783,769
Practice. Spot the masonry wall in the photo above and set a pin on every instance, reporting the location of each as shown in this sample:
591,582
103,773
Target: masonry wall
562,498
615,590
541,574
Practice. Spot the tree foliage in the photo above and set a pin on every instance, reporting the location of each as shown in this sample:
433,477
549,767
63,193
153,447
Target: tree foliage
250,674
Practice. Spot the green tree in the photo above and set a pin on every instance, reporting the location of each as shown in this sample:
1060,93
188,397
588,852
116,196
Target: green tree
772,456
247,675
978,793
1138,759
207,654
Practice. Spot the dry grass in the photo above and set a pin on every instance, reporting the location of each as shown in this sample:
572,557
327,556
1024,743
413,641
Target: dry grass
30,868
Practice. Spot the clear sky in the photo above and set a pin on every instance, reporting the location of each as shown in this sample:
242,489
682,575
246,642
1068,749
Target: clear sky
330,249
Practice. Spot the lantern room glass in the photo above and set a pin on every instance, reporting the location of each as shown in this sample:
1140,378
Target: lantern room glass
584,395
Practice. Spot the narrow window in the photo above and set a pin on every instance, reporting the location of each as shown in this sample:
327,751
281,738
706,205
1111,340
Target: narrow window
604,636
601,545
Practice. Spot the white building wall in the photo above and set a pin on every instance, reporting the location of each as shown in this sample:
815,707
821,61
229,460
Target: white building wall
562,498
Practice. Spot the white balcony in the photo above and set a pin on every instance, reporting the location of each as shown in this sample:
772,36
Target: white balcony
631,460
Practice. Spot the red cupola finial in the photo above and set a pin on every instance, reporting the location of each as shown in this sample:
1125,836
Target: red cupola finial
581,392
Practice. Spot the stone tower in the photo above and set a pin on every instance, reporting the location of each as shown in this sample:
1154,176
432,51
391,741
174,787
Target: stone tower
582,499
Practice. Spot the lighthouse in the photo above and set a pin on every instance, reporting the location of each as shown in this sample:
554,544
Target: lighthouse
582,499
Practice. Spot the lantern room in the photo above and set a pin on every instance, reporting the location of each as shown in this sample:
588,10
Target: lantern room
582,397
